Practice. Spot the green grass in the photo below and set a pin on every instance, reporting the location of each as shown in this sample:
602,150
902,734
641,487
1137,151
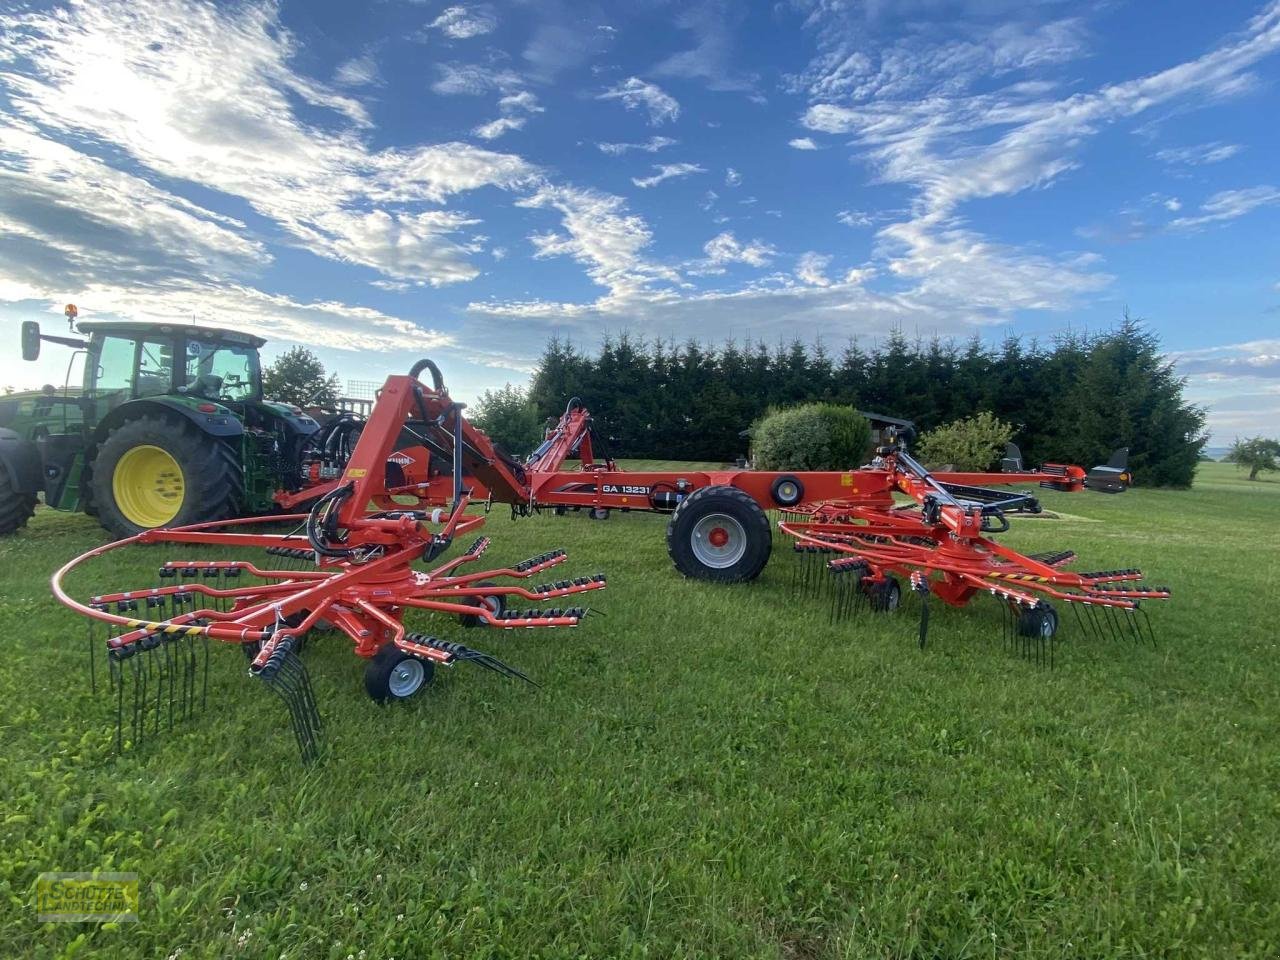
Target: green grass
705,772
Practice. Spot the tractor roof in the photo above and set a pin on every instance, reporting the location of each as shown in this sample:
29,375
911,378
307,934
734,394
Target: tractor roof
170,329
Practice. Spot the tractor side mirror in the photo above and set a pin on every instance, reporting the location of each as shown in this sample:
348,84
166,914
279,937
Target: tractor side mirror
30,340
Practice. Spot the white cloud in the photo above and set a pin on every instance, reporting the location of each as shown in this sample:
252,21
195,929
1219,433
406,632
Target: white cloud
405,246
1227,205
469,79
636,94
357,72
1172,204
1199,154
854,218
600,234
510,106
711,58
667,171
496,128
153,78
462,23
732,177
725,248
72,218
652,145
802,143
811,269
954,146
524,100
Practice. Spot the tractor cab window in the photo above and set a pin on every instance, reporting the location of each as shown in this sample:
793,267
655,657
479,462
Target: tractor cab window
115,365
133,367
222,371
155,363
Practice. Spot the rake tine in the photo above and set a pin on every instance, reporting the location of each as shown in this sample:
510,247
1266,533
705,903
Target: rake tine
171,670
296,671
1131,620
1146,619
1116,634
1075,612
117,679
295,687
490,662
920,584
287,677
139,696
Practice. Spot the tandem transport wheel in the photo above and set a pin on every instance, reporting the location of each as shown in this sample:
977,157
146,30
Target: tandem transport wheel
393,674
719,534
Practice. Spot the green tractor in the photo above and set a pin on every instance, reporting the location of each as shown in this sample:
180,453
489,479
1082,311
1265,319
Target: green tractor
168,428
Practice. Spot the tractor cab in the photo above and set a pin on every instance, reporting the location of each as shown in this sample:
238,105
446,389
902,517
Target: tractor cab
129,361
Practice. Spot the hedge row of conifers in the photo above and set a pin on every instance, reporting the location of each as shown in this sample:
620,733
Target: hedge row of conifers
1072,399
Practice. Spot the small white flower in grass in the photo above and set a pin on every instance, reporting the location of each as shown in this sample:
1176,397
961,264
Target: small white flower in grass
399,918
378,877
303,886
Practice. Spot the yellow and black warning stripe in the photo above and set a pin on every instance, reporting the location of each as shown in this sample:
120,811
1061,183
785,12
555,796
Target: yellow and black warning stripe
170,628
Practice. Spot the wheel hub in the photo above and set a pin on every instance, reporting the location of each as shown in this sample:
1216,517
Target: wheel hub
148,486
719,541
406,677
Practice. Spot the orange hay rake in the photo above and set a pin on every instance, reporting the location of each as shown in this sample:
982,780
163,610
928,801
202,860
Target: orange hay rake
344,566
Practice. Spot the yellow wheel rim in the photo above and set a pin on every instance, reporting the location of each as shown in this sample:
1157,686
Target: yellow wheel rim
148,486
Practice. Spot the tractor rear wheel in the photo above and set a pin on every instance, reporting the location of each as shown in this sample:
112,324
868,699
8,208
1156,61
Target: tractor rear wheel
719,534
157,472
15,508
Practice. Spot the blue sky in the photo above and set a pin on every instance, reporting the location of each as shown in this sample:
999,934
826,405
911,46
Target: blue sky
389,180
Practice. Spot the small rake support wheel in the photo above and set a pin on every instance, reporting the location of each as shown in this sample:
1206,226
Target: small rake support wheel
885,596
392,674
1038,621
495,604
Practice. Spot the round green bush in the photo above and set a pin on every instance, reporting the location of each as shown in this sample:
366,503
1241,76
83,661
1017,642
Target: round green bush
813,436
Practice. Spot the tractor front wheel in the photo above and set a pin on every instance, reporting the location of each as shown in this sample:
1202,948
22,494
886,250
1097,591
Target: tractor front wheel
157,472
719,534
15,508
392,674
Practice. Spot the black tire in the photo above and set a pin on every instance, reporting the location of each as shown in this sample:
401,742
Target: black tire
496,604
213,478
382,681
786,490
599,513
1038,621
740,516
15,508
885,596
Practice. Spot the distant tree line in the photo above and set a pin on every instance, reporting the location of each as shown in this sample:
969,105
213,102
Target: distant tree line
1072,399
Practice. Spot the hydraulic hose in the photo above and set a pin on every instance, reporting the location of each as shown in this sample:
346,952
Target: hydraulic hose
437,378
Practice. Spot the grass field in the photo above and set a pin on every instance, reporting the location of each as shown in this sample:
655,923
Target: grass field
712,772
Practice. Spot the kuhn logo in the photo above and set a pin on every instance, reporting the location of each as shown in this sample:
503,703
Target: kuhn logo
400,458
